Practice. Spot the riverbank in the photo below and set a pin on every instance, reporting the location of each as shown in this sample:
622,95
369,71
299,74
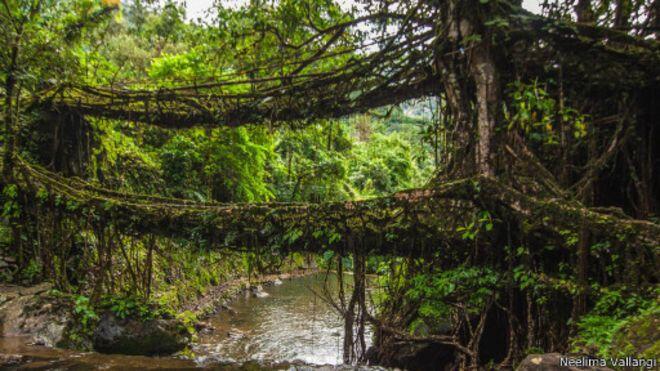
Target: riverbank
290,290
17,354
50,318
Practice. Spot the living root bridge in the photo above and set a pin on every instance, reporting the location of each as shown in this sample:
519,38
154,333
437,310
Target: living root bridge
604,61
407,223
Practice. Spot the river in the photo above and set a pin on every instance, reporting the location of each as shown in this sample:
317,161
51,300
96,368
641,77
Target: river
285,326
291,323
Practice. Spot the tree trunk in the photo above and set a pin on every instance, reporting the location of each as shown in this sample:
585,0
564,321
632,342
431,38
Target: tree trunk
454,82
10,135
360,292
461,70
656,19
584,12
622,14
584,244
349,315
484,74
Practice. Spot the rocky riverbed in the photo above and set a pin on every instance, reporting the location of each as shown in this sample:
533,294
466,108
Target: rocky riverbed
274,323
38,325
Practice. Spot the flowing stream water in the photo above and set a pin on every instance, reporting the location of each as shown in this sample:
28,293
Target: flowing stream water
284,326
289,322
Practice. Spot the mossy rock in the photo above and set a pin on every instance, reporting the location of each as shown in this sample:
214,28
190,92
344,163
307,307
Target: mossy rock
639,337
46,319
136,337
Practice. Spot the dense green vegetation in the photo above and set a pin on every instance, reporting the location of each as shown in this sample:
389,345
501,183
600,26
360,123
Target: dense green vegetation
353,158
539,279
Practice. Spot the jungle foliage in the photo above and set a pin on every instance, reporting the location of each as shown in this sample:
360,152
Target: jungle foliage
148,157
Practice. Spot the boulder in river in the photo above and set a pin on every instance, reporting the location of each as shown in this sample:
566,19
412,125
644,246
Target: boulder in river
138,337
553,362
11,360
258,291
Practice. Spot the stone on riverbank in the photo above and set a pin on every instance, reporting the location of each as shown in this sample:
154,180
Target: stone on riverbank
413,356
9,360
640,336
257,291
31,311
136,337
